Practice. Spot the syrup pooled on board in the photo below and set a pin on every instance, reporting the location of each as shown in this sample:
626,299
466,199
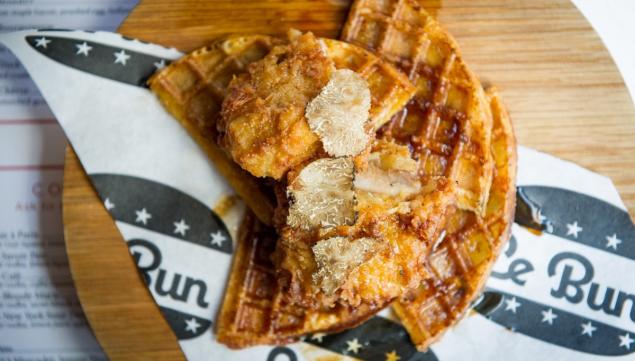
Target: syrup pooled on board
528,214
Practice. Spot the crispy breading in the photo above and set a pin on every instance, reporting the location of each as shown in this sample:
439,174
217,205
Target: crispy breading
406,223
262,123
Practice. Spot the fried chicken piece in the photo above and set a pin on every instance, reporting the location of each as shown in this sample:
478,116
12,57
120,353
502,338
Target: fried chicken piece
381,255
263,125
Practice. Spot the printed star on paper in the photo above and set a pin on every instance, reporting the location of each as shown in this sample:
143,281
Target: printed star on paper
318,337
42,42
573,229
588,328
512,305
143,216
392,356
548,316
181,227
83,48
353,345
192,325
541,219
613,241
549,228
108,204
121,57
159,64
218,238
626,341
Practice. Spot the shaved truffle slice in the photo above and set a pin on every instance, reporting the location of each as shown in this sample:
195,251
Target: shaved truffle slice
336,257
338,115
322,194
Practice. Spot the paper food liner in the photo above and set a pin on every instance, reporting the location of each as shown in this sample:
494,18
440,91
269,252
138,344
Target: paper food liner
567,293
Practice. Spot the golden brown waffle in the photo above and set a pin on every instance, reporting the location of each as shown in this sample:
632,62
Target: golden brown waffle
461,263
449,118
192,90
254,311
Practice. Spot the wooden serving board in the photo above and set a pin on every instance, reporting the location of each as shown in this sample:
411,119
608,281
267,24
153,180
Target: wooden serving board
564,92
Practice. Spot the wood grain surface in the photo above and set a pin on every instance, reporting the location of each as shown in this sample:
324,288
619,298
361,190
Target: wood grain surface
563,90
119,307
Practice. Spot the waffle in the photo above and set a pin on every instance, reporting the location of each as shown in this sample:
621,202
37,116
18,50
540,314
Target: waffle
460,264
449,119
254,311
192,89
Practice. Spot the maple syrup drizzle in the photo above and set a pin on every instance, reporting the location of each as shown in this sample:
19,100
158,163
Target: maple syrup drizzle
528,214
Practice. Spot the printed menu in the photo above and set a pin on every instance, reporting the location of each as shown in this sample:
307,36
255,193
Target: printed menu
40,315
